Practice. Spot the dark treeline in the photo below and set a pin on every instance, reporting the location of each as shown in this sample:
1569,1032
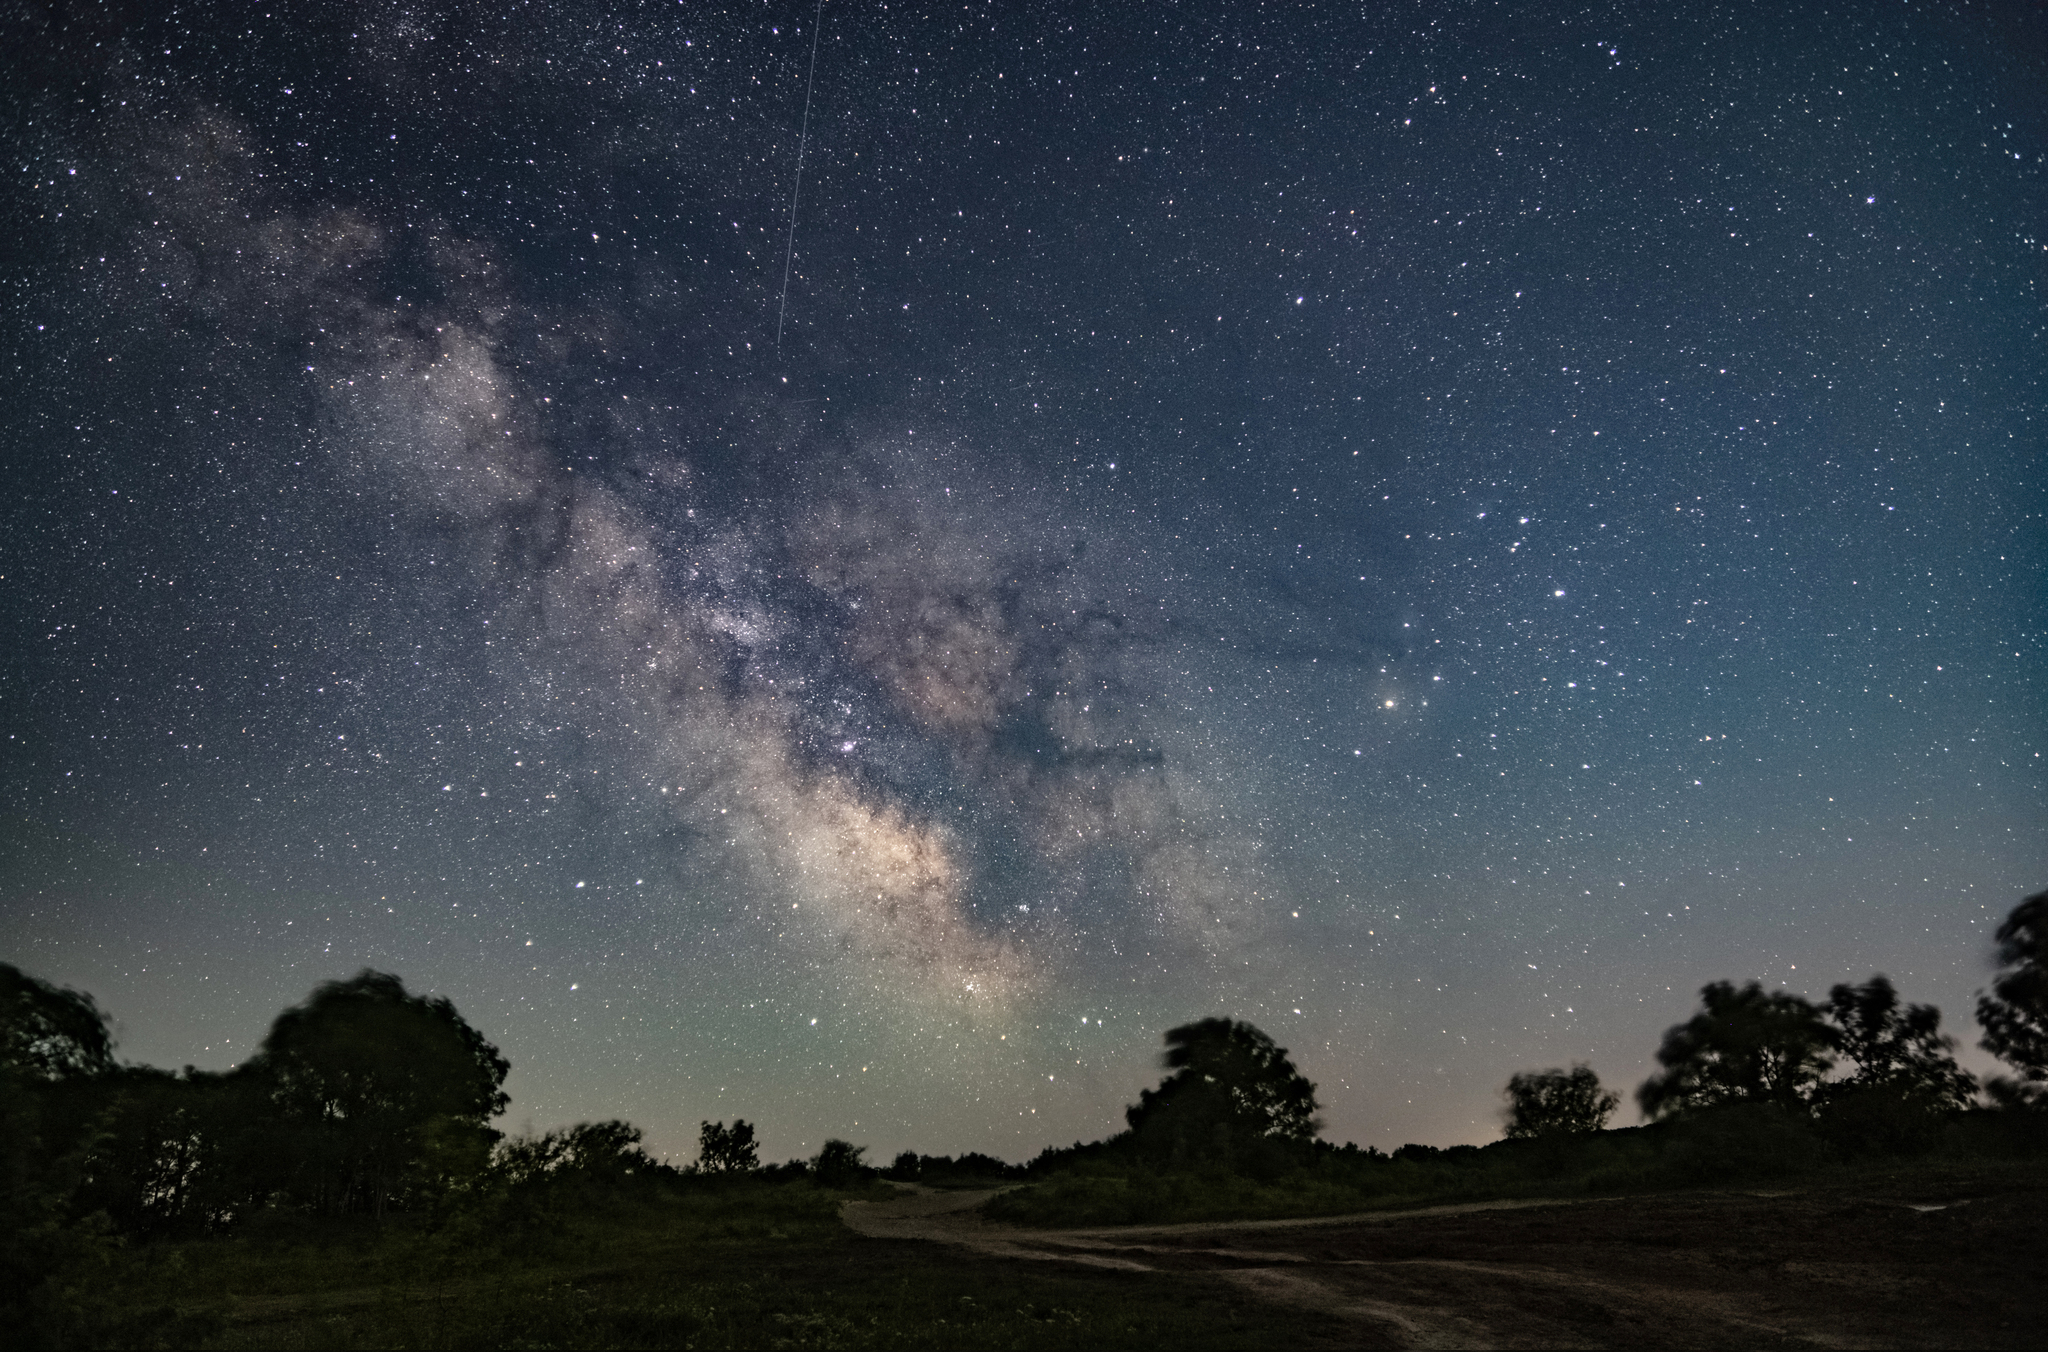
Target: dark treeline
368,1101
1862,1073
1757,1083
365,1102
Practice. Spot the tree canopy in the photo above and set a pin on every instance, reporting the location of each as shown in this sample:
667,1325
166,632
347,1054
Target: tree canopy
839,1163
1898,1049
50,1033
2014,1015
727,1150
589,1152
363,1074
1745,1045
1558,1103
1231,1087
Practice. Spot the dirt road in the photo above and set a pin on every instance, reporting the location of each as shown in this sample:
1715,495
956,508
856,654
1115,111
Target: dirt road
1705,1270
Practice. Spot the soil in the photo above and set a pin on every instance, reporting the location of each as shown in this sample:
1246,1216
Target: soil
1887,1263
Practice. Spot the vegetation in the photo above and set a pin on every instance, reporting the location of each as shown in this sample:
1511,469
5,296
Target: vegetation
727,1150
1233,1097
1744,1046
345,1185
1729,1147
839,1165
1557,1103
683,1261
1758,1084
49,1035
971,1170
1906,1084
366,1094
2014,1015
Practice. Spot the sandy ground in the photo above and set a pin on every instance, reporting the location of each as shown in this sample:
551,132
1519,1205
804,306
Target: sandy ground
1687,1270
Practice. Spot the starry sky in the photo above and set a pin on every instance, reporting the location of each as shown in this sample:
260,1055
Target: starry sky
857,600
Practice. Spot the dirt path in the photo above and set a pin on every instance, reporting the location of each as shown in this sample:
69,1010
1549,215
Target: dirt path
1697,1270
954,1217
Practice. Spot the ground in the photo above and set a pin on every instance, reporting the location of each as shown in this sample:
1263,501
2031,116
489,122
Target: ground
1926,1257
1950,1260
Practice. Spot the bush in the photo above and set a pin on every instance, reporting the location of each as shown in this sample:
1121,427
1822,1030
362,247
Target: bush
1558,1102
1880,1121
727,1150
839,1165
1745,1045
2014,1015
1739,1141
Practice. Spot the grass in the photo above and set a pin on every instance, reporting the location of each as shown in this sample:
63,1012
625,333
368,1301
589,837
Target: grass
1142,1198
1728,1150
753,1263
756,1265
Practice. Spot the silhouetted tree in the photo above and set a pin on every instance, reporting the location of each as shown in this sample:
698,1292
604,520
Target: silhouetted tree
363,1077
1232,1089
1897,1048
839,1164
1906,1080
55,1060
727,1150
972,1167
2014,1016
48,1033
974,1164
1557,1103
1744,1046
167,1152
589,1153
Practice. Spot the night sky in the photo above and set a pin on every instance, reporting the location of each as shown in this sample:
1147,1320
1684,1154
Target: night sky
1434,529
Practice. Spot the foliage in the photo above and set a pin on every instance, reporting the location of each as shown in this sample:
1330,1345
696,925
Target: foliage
1734,1140
2014,1095
727,1150
364,1097
57,1071
971,1166
2014,1016
838,1164
41,1240
972,1169
48,1033
691,1261
367,1099
1232,1089
1906,1080
1744,1046
590,1151
1558,1102
1728,1146
359,1078
170,1153
1895,1048
1321,1179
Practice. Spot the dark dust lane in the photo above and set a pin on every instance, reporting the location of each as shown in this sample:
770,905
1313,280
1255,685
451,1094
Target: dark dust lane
1880,1266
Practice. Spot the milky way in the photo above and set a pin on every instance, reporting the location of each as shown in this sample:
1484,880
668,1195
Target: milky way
1438,534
